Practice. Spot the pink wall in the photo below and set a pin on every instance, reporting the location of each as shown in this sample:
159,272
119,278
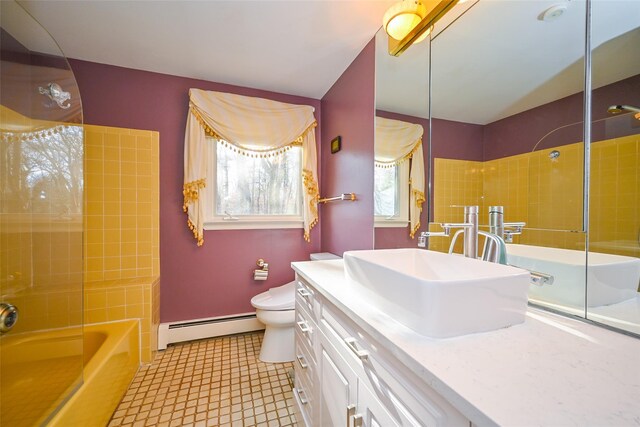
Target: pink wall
15,88
215,279
505,137
348,110
23,71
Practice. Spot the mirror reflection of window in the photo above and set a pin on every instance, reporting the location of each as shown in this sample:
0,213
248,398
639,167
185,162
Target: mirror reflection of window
402,95
391,198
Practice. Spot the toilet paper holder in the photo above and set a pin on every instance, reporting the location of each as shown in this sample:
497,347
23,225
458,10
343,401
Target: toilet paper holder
262,272
264,266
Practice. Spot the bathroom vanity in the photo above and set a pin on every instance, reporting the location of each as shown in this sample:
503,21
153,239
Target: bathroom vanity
357,365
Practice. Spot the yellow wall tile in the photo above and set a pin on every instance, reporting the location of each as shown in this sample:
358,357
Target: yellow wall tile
111,222
134,295
116,313
96,300
95,264
116,297
112,236
112,208
128,273
128,262
96,316
128,168
134,311
112,274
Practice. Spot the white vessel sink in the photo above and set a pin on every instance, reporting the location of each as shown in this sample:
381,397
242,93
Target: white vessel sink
439,295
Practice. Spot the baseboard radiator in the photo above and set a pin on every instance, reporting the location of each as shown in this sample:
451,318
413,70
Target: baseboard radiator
189,330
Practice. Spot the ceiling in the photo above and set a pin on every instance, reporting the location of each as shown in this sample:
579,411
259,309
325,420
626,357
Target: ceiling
494,61
293,47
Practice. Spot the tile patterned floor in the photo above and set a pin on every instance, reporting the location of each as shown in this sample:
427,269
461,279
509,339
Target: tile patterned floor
215,382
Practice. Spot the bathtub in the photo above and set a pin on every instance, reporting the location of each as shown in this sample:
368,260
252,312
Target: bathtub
110,354
611,278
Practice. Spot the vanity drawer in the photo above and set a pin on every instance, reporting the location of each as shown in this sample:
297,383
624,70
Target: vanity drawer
305,356
305,398
305,364
305,328
306,297
388,384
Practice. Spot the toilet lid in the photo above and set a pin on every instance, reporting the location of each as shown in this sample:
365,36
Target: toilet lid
280,298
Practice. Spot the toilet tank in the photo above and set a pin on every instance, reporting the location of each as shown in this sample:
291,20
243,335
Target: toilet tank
321,256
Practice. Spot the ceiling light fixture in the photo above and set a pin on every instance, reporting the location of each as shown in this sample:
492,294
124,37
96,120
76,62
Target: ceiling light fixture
410,21
553,13
402,17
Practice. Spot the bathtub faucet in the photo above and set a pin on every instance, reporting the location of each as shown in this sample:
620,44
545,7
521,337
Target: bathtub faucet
469,228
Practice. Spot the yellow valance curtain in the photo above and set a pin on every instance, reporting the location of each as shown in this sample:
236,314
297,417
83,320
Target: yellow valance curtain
396,142
257,126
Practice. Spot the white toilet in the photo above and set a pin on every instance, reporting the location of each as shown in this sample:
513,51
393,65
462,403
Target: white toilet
276,309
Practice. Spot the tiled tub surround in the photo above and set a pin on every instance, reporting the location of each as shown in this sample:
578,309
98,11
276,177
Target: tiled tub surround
137,299
214,382
122,203
122,261
547,194
550,370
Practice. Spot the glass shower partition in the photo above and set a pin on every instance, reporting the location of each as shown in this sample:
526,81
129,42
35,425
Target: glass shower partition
41,207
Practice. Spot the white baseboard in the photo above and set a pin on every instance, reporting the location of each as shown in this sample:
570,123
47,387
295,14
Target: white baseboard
189,330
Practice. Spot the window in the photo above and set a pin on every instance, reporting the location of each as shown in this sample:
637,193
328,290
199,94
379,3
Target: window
249,191
391,195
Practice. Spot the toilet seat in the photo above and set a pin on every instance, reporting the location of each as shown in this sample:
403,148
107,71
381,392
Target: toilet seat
279,298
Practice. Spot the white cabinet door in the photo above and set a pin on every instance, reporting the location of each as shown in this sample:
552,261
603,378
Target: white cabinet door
339,386
370,411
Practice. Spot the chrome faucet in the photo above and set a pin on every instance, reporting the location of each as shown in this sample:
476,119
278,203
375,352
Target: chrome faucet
497,226
469,227
495,249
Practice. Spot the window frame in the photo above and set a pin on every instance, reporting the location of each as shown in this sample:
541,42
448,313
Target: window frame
212,221
402,187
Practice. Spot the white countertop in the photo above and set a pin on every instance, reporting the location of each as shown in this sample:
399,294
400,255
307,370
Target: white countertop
549,371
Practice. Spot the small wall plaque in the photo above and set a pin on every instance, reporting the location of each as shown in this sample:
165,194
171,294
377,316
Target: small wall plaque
336,144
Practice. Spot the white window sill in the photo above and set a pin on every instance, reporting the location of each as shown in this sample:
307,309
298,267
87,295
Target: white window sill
389,223
252,224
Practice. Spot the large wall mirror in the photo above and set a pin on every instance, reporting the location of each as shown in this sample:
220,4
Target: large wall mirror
614,190
507,130
511,100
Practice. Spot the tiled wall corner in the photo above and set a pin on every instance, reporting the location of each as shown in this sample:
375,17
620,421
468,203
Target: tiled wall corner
137,298
456,183
615,196
547,194
122,253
